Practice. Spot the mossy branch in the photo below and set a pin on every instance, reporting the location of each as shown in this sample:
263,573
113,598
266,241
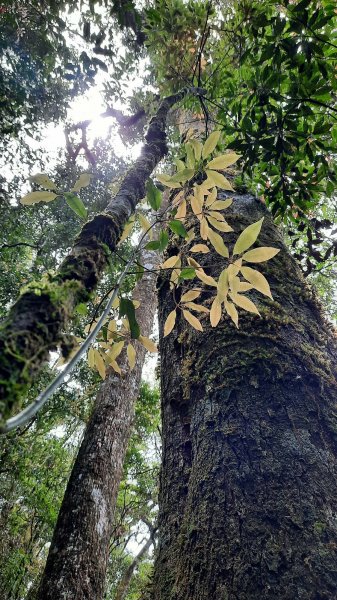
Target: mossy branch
37,321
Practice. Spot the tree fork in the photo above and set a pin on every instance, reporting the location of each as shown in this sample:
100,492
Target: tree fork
249,478
37,321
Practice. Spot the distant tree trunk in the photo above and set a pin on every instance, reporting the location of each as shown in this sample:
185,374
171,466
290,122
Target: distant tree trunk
248,499
124,584
78,556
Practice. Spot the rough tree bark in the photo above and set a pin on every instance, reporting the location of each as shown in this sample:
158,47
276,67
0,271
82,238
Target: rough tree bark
37,321
78,556
248,500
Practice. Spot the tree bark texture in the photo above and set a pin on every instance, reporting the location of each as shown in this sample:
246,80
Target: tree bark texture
78,556
248,499
37,321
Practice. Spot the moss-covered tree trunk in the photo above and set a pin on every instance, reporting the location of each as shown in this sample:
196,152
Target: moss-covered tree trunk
78,556
248,501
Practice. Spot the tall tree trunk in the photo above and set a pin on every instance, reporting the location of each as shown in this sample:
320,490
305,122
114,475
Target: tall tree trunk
248,500
78,556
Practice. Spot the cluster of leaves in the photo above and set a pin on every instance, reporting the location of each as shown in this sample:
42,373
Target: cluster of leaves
200,203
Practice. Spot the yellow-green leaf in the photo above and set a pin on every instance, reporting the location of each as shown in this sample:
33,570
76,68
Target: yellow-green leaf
116,349
211,197
148,344
192,320
223,161
99,363
220,225
127,230
131,354
170,322
83,181
218,243
182,176
181,212
215,313
247,237
190,295
219,180
197,148
197,307
223,285
244,303
91,358
43,179
169,263
200,248
115,367
204,229
258,281
222,204
196,205
210,143
145,225
200,273
260,254
166,180
232,312
34,197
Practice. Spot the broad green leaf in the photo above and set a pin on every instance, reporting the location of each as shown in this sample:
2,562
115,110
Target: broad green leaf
43,179
219,180
244,303
76,205
200,248
223,161
170,322
178,228
258,281
187,273
131,354
247,237
148,343
218,243
34,197
260,254
215,312
127,309
163,240
154,245
192,320
153,195
83,181
210,143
